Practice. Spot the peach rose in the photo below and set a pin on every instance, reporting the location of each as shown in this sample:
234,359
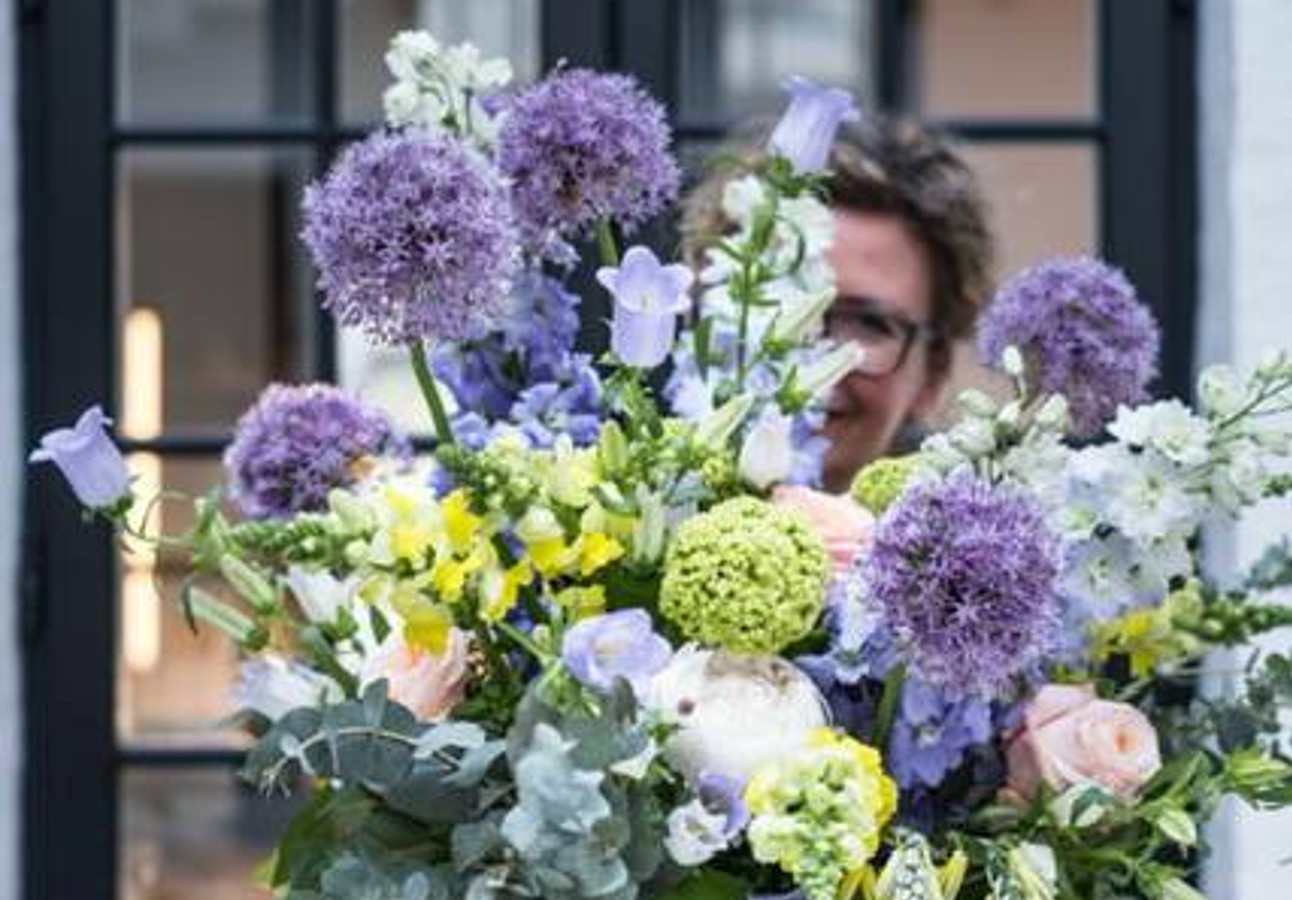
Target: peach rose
428,684
1069,736
843,525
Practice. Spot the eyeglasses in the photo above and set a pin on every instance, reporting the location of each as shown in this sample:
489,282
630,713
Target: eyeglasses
886,337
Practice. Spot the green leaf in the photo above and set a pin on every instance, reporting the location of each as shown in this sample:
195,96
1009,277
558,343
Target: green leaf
709,884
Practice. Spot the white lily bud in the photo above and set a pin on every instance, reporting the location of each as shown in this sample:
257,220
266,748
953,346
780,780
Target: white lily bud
718,426
976,403
804,318
830,369
768,452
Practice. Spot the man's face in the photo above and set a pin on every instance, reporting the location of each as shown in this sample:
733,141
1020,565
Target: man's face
885,299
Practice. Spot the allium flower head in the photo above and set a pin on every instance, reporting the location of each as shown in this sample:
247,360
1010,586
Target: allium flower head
1084,331
413,237
582,146
295,444
964,574
746,576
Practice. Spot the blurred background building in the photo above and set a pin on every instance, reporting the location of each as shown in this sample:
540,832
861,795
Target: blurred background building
148,256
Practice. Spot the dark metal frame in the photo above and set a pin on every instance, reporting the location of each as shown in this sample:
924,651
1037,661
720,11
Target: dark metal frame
1145,135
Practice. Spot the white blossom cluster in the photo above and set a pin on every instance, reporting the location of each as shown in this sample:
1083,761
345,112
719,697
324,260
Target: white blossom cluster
441,87
1128,509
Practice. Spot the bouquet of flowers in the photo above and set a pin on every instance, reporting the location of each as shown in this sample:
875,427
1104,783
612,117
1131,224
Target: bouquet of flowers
606,641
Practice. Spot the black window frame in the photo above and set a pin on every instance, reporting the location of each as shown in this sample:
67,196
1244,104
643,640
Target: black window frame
1148,194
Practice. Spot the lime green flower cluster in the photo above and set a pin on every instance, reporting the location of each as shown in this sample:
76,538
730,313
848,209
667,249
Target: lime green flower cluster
819,813
880,483
745,576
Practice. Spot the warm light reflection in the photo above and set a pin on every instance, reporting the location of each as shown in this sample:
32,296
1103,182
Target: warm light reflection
141,417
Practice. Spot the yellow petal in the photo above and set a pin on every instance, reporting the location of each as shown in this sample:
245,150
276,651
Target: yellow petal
597,550
428,627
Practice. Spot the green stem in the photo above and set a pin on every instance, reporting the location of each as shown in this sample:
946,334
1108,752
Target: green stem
523,640
431,392
606,243
887,711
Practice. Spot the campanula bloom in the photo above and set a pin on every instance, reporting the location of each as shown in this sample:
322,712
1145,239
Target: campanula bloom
649,296
806,129
600,650
88,459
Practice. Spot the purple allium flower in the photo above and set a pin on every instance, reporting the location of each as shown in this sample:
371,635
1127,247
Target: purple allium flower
297,443
622,644
649,296
88,459
581,147
1082,328
413,237
807,128
964,572
933,731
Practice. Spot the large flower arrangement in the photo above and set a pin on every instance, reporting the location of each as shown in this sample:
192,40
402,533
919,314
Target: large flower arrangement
607,643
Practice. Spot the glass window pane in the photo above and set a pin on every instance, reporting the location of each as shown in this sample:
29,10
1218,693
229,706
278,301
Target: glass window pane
214,291
736,53
1006,57
195,834
197,61
1044,199
173,686
498,27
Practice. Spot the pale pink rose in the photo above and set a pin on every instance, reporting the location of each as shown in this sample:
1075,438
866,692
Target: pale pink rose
428,684
1069,736
843,525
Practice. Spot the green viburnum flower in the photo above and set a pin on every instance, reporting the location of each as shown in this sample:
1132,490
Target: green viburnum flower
882,482
745,576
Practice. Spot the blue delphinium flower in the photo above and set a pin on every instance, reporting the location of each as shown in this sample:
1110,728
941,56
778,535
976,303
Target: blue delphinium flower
933,731
571,406
413,238
580,147
623,644
88,459
965,574
297,443
1083,330
806,130
525,374
648,298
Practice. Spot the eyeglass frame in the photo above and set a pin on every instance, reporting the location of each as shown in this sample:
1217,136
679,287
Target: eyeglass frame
911,331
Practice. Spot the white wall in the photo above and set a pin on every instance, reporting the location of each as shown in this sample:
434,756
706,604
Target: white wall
1245,97
10,467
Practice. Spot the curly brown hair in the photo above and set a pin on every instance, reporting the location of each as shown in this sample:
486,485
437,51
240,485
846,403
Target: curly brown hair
897,167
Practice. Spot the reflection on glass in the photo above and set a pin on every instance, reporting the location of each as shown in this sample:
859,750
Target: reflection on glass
197,60
195,834
173,687
1043,199
736,53
1006,57
498,27
207,243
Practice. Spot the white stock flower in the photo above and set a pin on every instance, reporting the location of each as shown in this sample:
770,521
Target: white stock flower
272,686
741,197
411,55
1169,427
712,697
1221,391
